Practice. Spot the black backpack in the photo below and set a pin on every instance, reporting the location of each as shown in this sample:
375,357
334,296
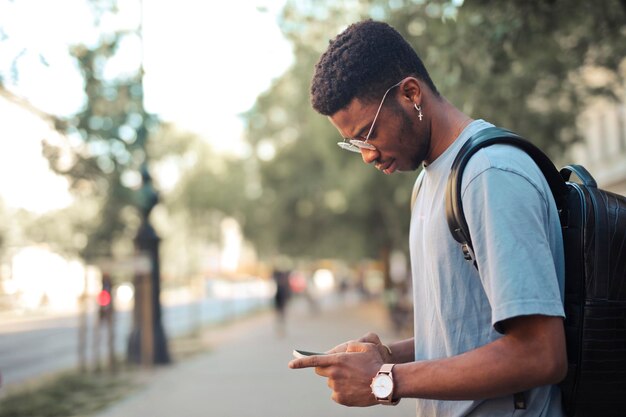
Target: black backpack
594,235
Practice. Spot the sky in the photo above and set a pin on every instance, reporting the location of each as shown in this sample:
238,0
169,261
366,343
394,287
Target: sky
204,66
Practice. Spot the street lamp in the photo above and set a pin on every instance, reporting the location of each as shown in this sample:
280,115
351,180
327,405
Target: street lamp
147,343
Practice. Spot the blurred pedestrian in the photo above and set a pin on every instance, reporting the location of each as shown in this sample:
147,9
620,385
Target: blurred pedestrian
480,337
281,298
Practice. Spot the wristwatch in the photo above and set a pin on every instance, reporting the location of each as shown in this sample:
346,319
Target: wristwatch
382,385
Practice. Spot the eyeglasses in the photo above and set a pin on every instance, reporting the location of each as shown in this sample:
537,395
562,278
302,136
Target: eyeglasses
354,144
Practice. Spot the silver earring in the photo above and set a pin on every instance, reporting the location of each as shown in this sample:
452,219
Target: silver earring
419,111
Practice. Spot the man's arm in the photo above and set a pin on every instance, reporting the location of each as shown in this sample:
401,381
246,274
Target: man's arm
530,354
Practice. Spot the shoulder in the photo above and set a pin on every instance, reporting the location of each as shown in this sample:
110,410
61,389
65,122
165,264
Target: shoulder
504,161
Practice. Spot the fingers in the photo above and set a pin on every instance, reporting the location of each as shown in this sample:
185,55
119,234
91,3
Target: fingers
360,347
370,338
367,338
384,350
312,361
339,348
321,361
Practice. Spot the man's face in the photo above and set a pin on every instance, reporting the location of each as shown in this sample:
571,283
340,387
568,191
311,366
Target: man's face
400,139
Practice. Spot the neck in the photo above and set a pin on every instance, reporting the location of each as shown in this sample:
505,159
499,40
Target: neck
446,124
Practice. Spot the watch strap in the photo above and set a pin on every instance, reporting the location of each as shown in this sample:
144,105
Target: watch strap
386,368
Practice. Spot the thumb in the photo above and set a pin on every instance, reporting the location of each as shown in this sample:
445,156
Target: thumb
370,338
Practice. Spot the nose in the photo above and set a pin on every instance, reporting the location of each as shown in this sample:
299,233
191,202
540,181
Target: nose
369,155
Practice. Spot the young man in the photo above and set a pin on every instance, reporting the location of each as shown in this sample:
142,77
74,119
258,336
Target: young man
479,338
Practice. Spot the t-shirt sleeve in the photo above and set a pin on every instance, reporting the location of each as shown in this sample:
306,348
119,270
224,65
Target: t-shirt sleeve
508,219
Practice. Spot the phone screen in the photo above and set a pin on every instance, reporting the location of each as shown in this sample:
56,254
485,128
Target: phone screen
298,353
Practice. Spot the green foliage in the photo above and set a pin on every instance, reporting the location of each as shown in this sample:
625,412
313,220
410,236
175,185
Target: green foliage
66,230
104,146
520,65
109,136
210,189
314,199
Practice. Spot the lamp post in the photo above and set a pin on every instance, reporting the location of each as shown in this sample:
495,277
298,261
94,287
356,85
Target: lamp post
147,344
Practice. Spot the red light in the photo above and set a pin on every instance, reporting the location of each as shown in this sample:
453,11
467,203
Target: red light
297,283
104,298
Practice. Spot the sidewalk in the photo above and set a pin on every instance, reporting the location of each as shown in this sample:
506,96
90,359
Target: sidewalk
246,374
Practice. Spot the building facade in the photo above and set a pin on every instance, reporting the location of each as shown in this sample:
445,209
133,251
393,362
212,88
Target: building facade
603,149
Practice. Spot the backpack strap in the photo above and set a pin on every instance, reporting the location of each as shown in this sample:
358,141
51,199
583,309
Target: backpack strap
454,205
580,171
486,137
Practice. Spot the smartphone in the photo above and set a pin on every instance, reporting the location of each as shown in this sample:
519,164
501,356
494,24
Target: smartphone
303,353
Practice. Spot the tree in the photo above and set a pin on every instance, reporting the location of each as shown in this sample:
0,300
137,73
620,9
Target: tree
105,139
316,200
111,130
520,65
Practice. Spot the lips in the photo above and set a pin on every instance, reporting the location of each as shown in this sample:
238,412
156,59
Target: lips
388,167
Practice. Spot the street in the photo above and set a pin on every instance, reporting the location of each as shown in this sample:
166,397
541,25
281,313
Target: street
31,347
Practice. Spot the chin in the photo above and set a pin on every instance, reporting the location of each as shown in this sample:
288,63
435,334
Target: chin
414,166
408,168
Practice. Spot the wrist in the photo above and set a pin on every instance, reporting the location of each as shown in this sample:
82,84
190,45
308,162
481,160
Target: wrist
401,351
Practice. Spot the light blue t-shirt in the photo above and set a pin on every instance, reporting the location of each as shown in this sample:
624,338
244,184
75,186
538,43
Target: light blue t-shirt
517,240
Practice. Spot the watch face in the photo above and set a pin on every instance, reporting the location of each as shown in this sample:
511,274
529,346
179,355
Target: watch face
382,386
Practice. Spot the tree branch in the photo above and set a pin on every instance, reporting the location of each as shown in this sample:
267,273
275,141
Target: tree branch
25,104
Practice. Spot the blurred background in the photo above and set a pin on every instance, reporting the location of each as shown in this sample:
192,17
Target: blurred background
161,168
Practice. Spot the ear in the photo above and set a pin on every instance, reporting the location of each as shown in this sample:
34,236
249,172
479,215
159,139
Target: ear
412,90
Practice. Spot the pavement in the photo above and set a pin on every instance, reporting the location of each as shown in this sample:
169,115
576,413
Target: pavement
245,371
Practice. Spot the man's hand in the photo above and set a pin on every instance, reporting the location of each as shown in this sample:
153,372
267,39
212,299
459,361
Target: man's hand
349,371
372,338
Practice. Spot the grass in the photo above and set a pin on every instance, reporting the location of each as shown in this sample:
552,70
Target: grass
68,394
74,394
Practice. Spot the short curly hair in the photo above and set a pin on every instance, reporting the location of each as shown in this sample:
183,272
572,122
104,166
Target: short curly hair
363,61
